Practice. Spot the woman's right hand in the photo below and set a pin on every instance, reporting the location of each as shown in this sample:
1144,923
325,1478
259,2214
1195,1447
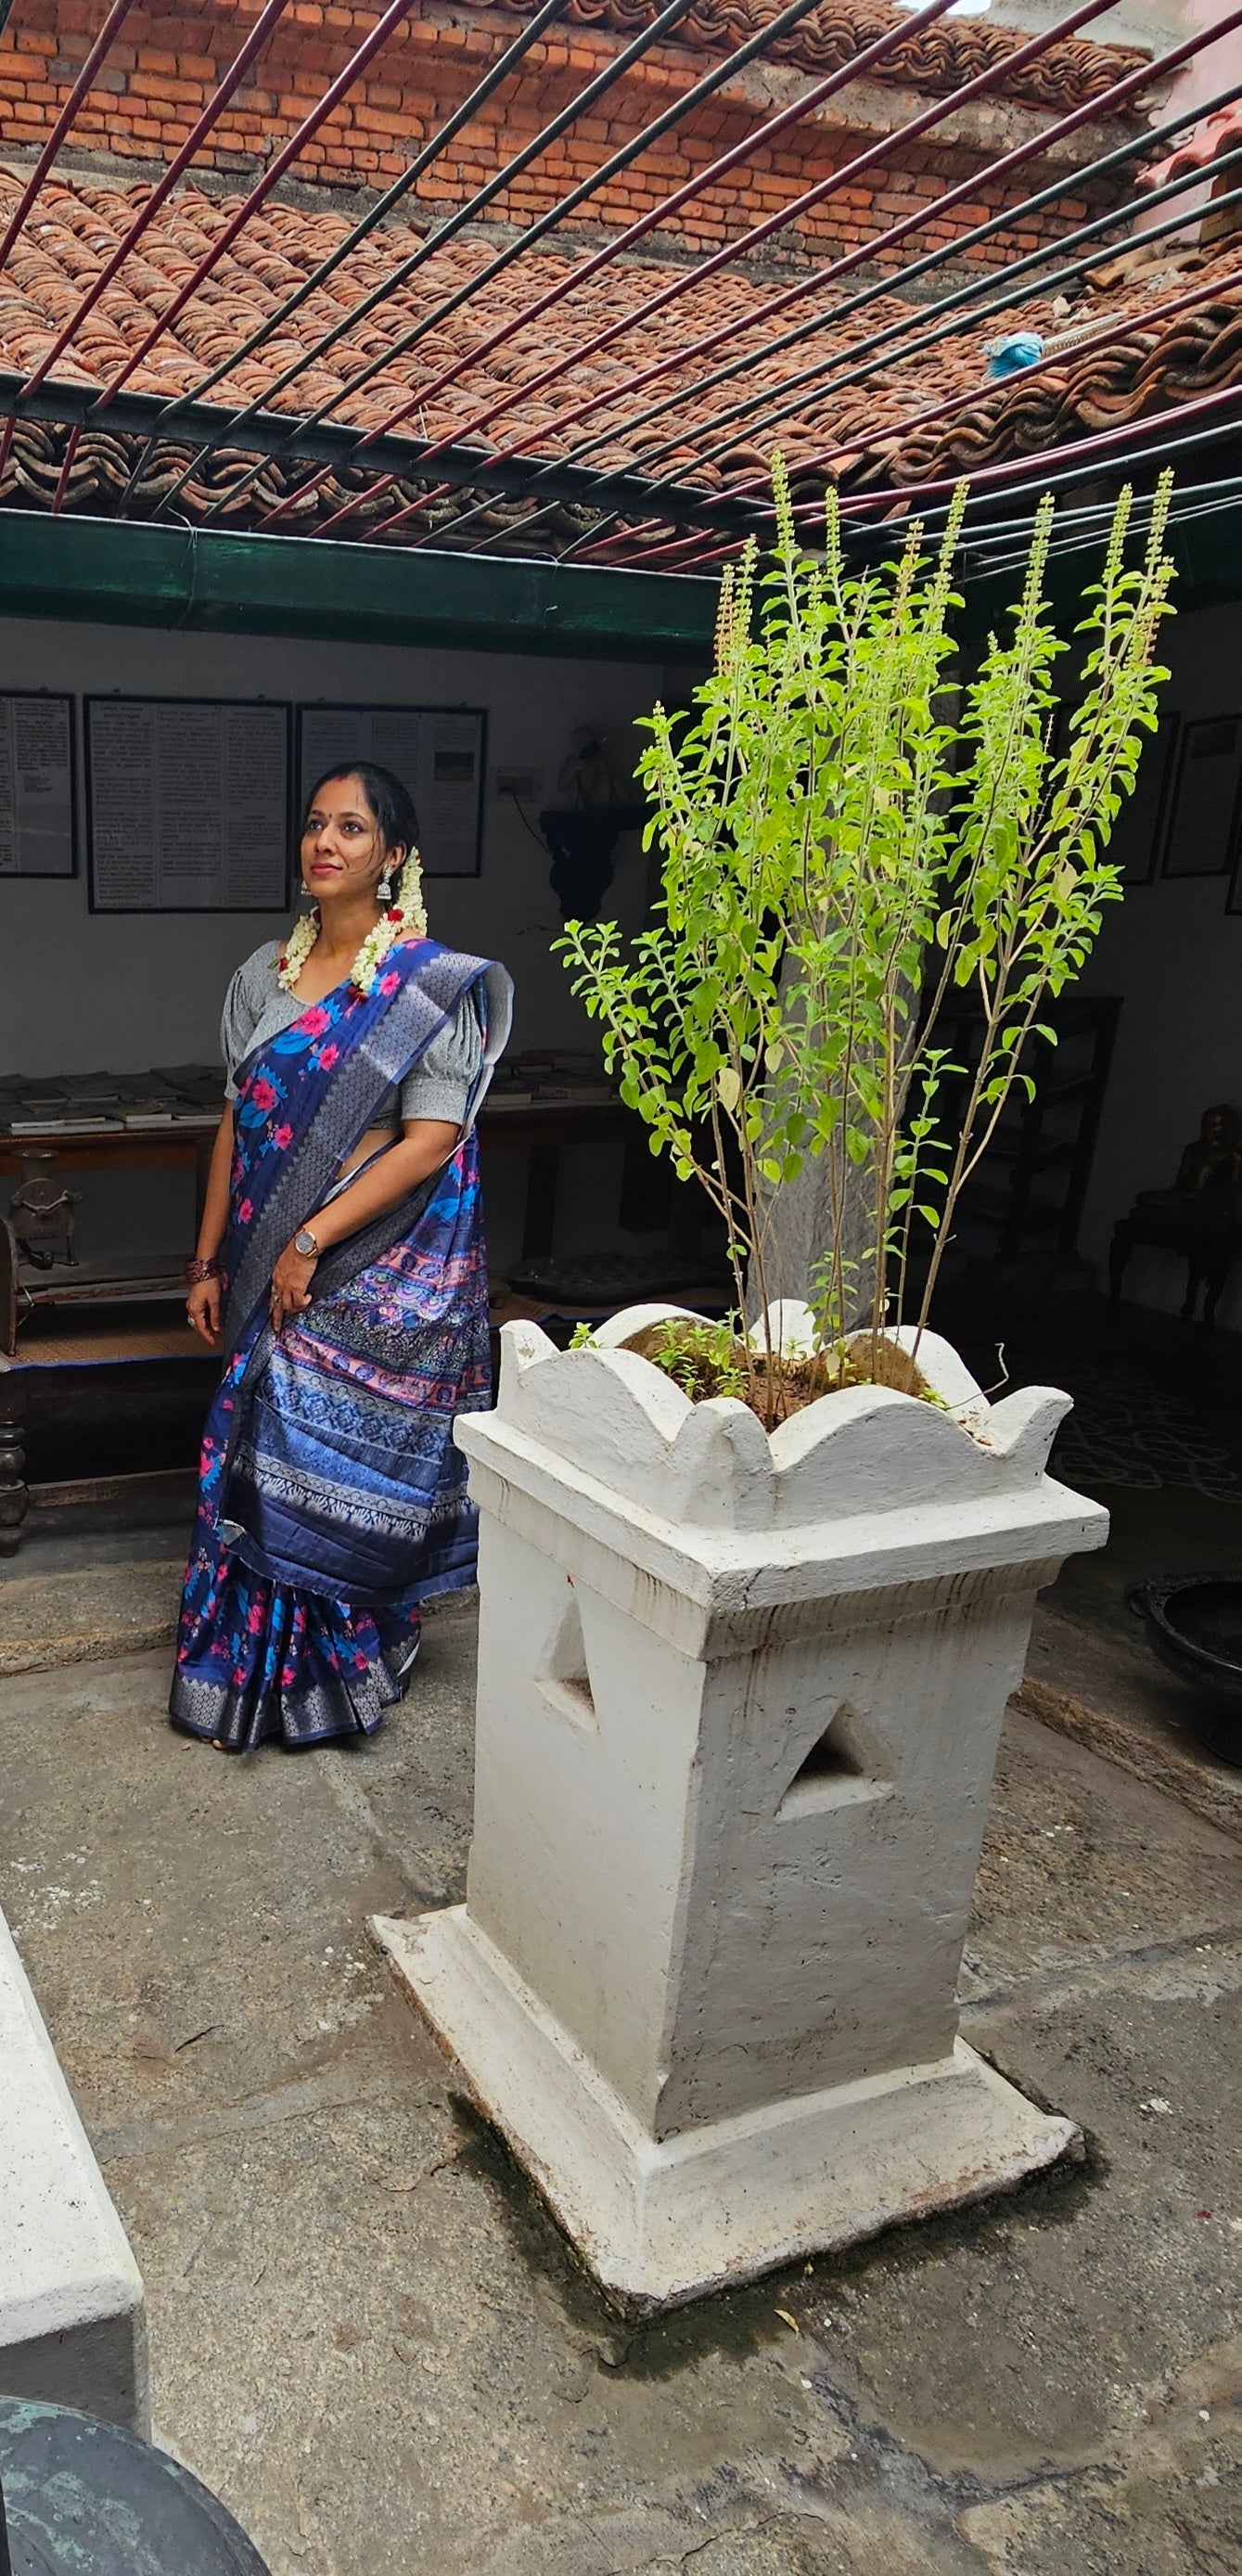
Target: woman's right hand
202,1308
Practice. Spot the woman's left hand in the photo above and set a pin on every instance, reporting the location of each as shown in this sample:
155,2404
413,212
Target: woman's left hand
291,1281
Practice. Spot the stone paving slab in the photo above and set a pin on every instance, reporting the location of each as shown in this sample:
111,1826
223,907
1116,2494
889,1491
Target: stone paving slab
369,2338
1109,1692
48,1620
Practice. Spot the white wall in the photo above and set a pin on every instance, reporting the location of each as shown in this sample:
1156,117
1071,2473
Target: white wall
1175,958
82,992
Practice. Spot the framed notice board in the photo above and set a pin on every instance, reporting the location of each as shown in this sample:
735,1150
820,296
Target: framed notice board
187,804
1207,791
38,818
439,754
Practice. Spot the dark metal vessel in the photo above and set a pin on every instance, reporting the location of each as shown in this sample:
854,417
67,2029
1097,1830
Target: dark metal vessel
81,2498
1195,1627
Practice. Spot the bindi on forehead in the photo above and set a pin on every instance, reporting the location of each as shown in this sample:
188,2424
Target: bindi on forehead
326,811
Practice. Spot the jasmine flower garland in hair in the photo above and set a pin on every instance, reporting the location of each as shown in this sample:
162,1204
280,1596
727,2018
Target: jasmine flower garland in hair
404,919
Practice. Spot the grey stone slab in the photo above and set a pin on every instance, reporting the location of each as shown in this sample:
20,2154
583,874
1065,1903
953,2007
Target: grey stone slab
194,1925
1109,1693
370,2339
1082,1860
48,1620
72,2321
345,2292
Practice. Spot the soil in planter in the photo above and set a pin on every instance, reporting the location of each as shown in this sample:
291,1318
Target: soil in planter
706,1360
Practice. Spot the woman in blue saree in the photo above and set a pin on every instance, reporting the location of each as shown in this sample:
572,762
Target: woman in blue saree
340,1269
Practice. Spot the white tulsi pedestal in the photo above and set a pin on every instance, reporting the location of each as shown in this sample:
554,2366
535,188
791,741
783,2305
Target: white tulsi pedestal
739,1699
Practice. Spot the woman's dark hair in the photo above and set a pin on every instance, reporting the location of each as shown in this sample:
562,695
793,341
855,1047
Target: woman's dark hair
390,802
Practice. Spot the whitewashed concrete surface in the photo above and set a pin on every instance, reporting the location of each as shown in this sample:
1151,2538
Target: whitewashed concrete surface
739,1698
72,2317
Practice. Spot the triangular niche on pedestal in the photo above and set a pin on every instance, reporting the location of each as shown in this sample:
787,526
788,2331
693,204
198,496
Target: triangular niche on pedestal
840,1766
563,1676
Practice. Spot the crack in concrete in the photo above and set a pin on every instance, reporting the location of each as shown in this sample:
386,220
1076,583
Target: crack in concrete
713,2539
354,1803
337,2091
1140,1970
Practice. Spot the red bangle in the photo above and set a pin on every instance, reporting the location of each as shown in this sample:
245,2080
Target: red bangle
196,1270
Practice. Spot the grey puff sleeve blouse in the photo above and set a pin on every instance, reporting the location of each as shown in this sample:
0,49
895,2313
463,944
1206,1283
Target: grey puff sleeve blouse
256,1008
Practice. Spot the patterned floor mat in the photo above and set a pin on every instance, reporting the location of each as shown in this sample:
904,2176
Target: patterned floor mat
1124,1430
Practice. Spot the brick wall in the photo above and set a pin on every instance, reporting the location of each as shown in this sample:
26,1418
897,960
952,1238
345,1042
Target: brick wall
169,60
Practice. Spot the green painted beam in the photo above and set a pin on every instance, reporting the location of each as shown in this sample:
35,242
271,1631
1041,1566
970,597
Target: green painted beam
116,573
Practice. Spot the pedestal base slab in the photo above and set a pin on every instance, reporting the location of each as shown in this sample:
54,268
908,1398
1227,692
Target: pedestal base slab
661,2221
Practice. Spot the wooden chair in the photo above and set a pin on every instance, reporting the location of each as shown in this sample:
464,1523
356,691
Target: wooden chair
1200,1218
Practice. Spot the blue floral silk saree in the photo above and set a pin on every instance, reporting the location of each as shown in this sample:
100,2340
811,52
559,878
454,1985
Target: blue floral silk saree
331,1498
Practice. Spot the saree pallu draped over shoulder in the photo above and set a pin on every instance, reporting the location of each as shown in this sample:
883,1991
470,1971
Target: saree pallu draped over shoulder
332,1500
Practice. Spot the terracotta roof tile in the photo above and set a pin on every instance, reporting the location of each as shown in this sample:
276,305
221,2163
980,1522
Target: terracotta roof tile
1147,366
1205,143
941,57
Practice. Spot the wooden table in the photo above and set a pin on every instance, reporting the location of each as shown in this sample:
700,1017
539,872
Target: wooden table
101,1149
541,1128
545,1127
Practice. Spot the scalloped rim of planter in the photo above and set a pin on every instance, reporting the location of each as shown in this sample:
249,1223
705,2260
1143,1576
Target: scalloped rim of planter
727,1521
663,2221
615,1418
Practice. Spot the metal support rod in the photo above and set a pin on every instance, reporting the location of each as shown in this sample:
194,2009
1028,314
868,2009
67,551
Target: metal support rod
62,480
828,381
133,415
909,322
1040,280
751,240
216,104
833,373
483,90
793,113
1166,450
954,403
453,224
1078,527
914,222
499,71
759,233
564,207
1101,445
796,110
458,467
82,86
289,151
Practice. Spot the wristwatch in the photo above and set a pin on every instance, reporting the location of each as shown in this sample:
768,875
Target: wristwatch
305,1243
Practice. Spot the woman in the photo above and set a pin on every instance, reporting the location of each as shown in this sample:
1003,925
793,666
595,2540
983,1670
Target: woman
340,1265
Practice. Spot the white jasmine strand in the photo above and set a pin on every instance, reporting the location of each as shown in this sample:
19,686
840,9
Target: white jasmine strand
404,919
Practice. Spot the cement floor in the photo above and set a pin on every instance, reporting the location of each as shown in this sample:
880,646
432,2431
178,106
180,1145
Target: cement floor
370,2340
